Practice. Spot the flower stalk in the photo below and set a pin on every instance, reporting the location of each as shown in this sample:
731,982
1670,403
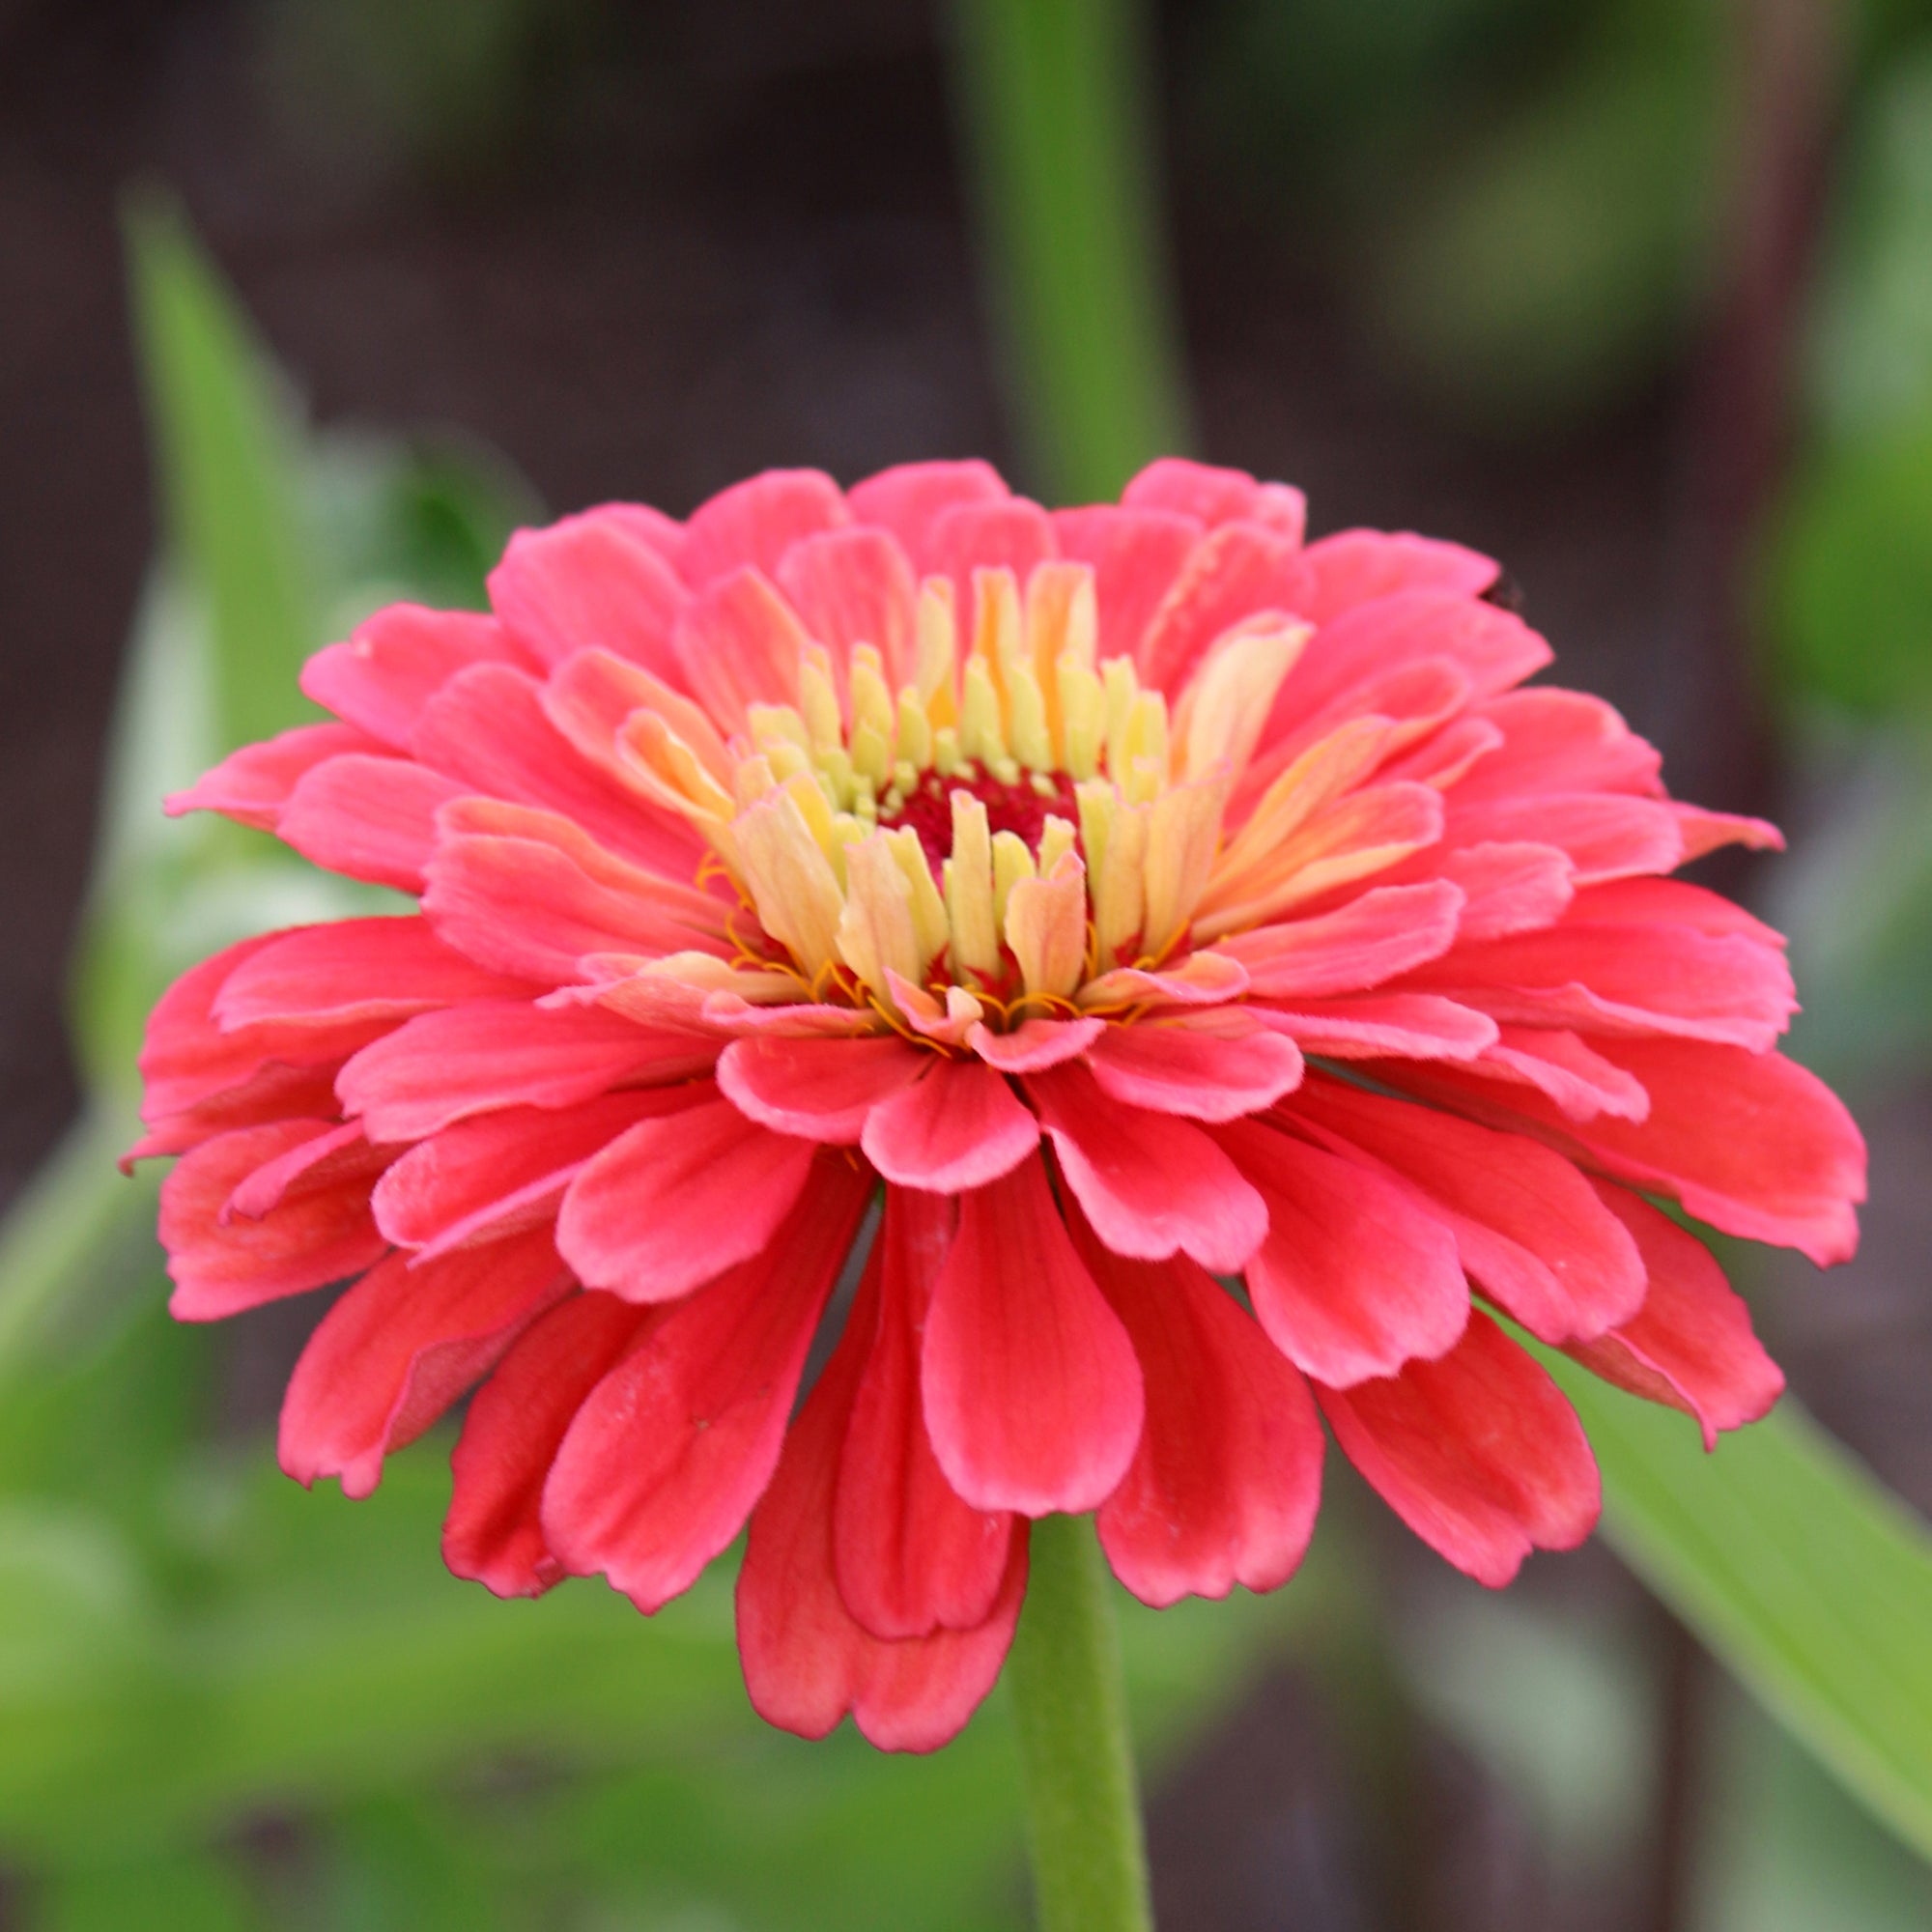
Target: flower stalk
1083,1798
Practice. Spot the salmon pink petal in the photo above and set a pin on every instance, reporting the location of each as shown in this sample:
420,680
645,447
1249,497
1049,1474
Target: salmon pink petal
1033,1396
1478,1453
252,785
1383,931
1506,887
1669,902
756,522
1411,1026
403,1345
1136,555
1207,1069
741,644
1603,834
1690,1345
351,971
396,662
516,1422
445,1067
270,1091
1567,1069
955,1127
1231,573
651,528
675,1202
1709,830
1356,1276
807,1660
586,580
1224,1487
367,819
499,1173
1035,1043
1150,1184
318,1232
1012,535
345,1151
854,586
1528,1226
667,1455
821,1089
910,1556
1562,741
1216,496
1356,567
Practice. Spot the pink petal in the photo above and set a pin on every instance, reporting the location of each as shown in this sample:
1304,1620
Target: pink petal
756,522
396,662
1035,1043
350,972
1225,1484
1605,835
807,1662
1356,1276
910,1556
1353,567
345,1149
1231,573
1387,930
1562,741
1212,1068
1478,1453
515,1425
499,1173
1690,1344
854,586
1527,1224
1506,887
403,1345
1707,831
741,644
368,818
955,1127
586,580
1136,556
909,498
320,1231
821,1089
1407,1026
1150,1184
665,1459
1567,1069
252,785
1216,496
1031,1392
443,1066
677,1200
1012,534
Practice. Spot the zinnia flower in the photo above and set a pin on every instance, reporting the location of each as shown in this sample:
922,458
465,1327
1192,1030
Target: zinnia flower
1231,983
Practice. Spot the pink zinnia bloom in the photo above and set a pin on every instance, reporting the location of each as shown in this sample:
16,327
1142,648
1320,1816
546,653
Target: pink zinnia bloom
1127,897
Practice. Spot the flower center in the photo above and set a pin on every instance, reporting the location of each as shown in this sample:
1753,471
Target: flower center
1021,808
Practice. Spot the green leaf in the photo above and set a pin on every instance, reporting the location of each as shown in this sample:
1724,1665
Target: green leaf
226,438
1809,1579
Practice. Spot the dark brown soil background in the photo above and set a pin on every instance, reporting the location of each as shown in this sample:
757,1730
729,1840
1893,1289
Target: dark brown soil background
732,236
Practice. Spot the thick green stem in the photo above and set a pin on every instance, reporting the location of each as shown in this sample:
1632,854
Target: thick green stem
1083,1801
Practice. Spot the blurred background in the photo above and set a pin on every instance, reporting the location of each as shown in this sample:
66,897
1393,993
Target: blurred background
304,304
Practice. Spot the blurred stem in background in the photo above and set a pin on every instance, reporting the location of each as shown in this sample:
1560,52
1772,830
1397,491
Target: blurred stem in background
1055,95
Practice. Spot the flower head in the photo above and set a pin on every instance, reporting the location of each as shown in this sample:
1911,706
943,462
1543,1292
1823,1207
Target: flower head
1232,983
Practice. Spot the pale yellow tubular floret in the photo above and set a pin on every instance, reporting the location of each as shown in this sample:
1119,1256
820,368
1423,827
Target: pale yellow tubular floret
937,636
968,876
981,735
876,934
1098,801
1118,888
1059,624
1012,862
754,779
1220,717
818,701
1082,719
666,767
790,880
999,634
871,696
771,724
915,738
930,927
835,770
871,757
807,793
1119,686
1027,730
1184,831
1057,838
945,755
1046,928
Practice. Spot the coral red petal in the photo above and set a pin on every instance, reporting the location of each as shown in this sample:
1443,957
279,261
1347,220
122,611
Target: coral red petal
677,1201
367,819
1136,556
1603,834
1413,1026
1225,1484
589,580
1230,574
1356,1276
1528,1226
1216,1068
756,522
665,1456
1035,1043
1033,1396
1383,931
910,1555
958,1126
1214,495
403,1345
1354,567
396,661
252,785
1478,1453
1562,741
910,497
821,1089
1150,1184
1012,535
854,586
515,1425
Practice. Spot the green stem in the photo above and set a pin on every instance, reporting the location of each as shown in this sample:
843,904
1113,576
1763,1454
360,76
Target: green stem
1083,1801
1055,100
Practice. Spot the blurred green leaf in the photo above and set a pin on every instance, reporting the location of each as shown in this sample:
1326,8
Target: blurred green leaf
176,1891
226,437
1807,1579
